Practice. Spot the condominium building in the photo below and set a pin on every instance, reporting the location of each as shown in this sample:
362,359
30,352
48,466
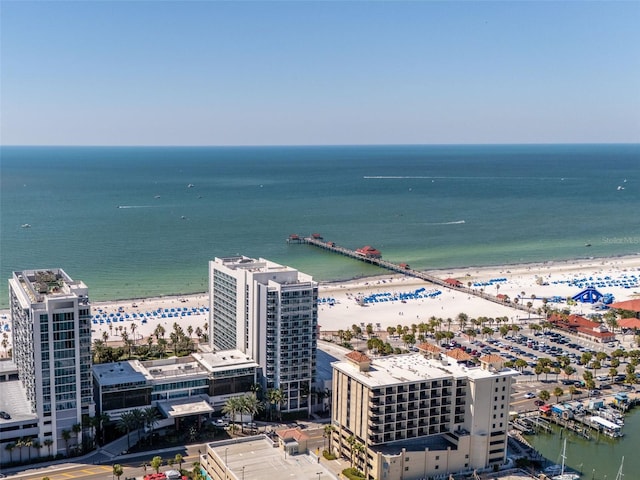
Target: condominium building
269,312
420,415
51,317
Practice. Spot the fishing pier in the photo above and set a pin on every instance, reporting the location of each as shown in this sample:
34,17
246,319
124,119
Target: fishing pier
373,256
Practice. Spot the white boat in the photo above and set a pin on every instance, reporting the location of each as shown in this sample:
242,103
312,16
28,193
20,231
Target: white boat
558,472
25,225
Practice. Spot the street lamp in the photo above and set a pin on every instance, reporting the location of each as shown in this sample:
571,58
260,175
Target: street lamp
243,472
318,473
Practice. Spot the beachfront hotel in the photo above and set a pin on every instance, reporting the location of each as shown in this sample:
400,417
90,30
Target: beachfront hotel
51,316
420,415
269,312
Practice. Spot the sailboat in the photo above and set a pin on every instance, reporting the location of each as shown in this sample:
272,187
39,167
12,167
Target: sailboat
558,472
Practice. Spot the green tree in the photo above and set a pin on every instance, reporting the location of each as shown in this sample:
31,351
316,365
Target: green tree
231,407
572,391
327,434
178,459
544,395
66,436
275,397
118,470
9,447
48,443
558,392
156,463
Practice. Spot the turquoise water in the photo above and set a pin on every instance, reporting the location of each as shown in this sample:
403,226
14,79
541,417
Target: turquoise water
598,458
430,206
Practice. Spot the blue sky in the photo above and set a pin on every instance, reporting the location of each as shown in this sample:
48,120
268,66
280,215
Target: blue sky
291,73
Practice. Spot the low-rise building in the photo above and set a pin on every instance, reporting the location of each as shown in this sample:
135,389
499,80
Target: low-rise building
179,387
416,416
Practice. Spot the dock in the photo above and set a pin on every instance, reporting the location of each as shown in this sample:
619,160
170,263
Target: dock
374,257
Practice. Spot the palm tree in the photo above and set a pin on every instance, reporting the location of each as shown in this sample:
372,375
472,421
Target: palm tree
156,463
150,418
328,433
37,445
47,443
558,392
251,405
118,470
10,447
127,423
76,429
178,459
356,451
232,406
66,436
275,397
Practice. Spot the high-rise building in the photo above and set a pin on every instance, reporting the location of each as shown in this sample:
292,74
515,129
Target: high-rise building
51,317
417,416
270,312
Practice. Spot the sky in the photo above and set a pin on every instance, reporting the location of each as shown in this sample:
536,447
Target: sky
318,73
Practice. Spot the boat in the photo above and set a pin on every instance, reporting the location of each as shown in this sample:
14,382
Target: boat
157,196
191,185
587,244
558,472
25,225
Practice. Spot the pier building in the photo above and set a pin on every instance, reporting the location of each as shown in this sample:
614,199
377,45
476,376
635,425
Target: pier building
269,312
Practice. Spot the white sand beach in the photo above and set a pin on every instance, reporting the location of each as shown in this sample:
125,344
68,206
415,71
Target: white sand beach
339,308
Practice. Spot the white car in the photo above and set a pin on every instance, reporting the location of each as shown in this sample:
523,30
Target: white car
529,395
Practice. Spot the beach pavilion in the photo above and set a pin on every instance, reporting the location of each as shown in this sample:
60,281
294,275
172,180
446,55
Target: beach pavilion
629,305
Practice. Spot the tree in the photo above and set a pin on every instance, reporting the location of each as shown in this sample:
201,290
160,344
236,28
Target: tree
232,406
178,459
47,443
251,405
66,436
127,422
118,470
544,395
9,447
150,418
275,397
76,429
558,392
572,391
156,463
327,434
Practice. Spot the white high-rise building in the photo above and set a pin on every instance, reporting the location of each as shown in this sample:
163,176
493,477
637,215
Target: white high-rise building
51,317
270,312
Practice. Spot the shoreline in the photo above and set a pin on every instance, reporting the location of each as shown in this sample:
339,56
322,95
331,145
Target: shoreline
339,308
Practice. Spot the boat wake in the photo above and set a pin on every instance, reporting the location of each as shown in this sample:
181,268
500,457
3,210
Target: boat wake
136,206
457,222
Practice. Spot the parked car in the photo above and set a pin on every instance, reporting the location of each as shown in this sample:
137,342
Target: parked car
529,395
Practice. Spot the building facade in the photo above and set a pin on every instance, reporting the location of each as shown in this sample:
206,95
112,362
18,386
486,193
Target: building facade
417,416
51,316
269,312
187,386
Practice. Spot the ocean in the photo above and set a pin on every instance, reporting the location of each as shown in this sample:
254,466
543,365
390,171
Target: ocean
142,221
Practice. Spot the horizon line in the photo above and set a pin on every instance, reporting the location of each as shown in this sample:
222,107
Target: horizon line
311,145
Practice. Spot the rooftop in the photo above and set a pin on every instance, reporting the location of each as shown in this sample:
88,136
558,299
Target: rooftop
39,285
256,459
14,401
413,367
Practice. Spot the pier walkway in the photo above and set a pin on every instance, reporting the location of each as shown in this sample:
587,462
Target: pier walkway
402,268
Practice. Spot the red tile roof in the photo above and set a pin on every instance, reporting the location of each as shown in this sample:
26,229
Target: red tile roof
358,357
582,325
459,354
453,281
295,433
429,348
629,323
632,305
491,358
